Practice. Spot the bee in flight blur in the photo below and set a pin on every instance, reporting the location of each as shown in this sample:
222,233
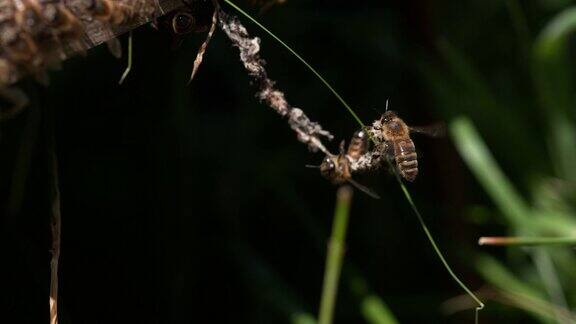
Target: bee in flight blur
400,147
336,168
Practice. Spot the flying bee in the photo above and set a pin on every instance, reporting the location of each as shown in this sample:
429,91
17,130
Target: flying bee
336,168
400,146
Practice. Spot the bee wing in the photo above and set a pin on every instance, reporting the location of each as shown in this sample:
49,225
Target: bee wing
435,130
364,189
14,96
114,47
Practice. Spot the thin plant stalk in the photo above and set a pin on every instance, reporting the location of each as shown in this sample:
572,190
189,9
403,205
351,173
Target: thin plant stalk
55,216
480,304
335,256
359,121
129,66
525,241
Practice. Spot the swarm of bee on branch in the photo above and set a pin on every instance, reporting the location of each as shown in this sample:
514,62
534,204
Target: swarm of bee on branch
36,35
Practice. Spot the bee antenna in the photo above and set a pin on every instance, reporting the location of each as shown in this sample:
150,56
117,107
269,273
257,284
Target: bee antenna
309,166
387,103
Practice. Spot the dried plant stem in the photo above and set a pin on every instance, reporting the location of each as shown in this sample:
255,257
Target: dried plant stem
335,256
307,131
526,241
129,64
204,46
312,69
360,166
55,226
55,222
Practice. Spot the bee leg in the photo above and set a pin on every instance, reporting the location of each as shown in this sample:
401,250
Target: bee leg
16,100
114,47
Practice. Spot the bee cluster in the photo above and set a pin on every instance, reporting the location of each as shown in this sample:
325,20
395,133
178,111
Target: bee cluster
36,35
385,143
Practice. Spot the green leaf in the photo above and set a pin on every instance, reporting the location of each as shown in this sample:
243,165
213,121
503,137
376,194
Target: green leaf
553,77
479,159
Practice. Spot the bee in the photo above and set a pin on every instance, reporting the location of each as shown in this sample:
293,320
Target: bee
336,168
194,17
114,13
13,100
17,48
30,19
400,147
358,145
61,20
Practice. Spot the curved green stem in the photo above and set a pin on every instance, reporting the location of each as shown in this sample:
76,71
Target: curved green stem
359,121
435,246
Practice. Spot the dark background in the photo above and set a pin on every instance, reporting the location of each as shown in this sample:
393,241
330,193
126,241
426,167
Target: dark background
191,204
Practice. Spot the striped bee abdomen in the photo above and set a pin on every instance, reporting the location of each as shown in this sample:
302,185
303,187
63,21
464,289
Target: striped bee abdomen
406,159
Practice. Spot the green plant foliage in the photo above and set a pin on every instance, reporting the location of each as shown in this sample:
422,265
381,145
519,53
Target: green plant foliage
542,283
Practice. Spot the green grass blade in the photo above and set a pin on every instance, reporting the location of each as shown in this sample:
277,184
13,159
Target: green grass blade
479,159
554,83
436,248
499,276
302,318
375,311
335,255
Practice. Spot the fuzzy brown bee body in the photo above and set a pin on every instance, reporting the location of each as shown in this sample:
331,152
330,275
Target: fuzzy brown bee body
397,134
358,145
118,13
65,27
337,168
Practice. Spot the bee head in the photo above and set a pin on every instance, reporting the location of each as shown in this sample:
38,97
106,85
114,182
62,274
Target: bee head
195,16
183,22
328,167
389,116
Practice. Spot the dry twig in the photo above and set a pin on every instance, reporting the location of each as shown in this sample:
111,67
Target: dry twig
202,50
308,132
